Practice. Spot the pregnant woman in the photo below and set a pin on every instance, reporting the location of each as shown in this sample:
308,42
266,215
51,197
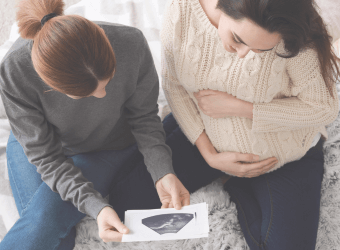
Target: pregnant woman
78,96
254,76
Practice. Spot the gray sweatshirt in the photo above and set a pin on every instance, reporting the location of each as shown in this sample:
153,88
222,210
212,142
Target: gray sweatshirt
50,125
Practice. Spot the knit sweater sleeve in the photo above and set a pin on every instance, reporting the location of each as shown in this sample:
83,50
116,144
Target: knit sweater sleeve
182,106
310,103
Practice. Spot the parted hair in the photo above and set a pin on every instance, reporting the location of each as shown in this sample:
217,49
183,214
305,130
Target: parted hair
299,24
70,53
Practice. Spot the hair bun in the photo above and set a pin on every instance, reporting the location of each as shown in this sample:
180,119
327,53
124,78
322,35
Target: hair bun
30,13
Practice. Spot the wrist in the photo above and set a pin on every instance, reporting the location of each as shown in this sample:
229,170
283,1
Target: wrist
163,177
102,211
243,109
206,148
248,109
210,158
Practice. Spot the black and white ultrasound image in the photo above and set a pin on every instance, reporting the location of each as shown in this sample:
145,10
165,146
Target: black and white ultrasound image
167,223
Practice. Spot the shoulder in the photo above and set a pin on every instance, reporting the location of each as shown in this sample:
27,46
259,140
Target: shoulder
21,48
125,37
17,66
304,67
306,60
19,53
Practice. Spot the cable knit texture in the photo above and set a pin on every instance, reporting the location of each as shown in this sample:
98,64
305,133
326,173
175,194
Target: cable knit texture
291,101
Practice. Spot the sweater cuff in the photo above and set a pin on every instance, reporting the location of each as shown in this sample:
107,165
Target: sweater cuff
160,172
94,205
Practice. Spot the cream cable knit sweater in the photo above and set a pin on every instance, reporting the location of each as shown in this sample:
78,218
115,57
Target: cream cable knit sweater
291,101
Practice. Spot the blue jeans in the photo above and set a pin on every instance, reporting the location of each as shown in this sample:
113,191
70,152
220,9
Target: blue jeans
278,210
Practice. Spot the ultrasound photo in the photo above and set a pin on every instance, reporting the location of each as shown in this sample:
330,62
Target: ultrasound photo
167,223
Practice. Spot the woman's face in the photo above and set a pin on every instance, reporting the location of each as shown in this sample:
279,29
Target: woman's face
243,35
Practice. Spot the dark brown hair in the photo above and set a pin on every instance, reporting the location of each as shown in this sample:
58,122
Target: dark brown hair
70,53
299,24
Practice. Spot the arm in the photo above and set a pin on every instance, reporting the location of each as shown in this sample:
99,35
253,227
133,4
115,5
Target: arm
141,112
182,106
43,147
310,106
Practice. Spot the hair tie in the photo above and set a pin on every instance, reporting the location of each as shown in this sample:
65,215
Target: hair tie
47,17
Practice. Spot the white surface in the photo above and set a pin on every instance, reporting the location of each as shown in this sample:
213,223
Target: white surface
198,227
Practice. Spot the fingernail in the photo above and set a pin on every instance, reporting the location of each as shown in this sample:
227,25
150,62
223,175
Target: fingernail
254,158
125,230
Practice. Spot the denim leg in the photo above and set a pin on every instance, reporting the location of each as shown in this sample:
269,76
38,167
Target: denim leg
47,222
280,210
23,176
137,190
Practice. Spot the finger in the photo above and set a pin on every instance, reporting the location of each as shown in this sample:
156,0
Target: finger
270,166
171,205
116,223
265,169
247,157
165,205
186,200
110,235
259,165
175,198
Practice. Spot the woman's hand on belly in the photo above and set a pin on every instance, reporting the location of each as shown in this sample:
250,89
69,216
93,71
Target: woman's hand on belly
217,104
233,163
241,165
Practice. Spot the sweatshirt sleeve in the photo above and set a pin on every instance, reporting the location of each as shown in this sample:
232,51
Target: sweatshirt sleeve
310,104
141,111
41,144
182,106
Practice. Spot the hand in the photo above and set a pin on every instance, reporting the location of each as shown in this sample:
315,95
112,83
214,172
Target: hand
217,104
240,165
172,193
109,225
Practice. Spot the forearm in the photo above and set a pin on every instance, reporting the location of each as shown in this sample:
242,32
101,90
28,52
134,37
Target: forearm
205,147
244,109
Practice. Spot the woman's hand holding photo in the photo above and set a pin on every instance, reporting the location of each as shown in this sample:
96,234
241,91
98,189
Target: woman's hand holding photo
218,104
172,193
109,225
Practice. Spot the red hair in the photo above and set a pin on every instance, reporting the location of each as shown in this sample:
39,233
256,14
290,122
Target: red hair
70,53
